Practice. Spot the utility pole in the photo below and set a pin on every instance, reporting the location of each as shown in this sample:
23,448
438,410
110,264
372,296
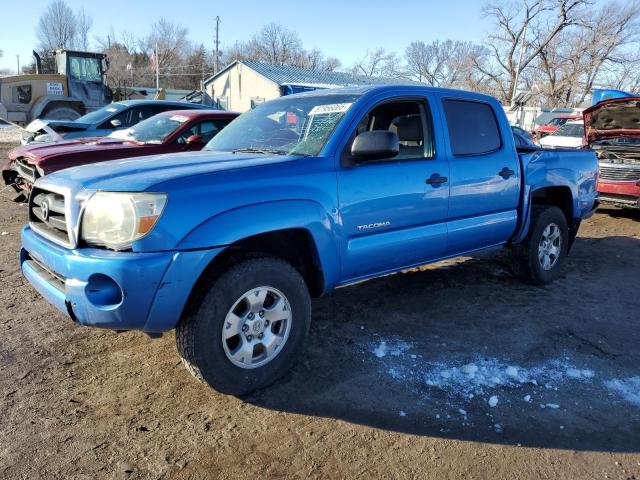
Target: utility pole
157,68
215,63
515,83
18,59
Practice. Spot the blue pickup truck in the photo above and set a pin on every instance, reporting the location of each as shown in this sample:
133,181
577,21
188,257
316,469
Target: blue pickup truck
304,194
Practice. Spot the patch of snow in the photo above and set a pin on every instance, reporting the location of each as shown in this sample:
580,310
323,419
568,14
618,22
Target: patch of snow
512,372
462,411
493,401
486,374
5,233
527,398
392,348
402,414
552,405
381,350
628,388
497,427
579,374
470,369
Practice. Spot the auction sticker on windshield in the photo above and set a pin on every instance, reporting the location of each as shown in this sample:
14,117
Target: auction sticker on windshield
330,108
178,118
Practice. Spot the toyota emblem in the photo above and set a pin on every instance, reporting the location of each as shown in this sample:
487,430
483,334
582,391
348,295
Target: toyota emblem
44,209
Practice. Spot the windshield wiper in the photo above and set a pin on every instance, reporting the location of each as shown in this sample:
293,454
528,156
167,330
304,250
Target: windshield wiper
259,150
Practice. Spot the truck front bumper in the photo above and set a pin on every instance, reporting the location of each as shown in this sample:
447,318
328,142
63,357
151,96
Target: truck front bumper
117,290
621,194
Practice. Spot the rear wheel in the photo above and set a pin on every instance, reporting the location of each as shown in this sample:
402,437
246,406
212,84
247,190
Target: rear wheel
61,113
248,327
540,256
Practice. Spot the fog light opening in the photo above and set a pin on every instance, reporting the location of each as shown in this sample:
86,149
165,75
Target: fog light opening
103,291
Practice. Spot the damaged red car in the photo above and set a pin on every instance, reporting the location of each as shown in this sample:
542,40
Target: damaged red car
168,132
612,129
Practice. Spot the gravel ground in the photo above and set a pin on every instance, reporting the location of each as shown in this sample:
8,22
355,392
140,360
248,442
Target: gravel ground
451,371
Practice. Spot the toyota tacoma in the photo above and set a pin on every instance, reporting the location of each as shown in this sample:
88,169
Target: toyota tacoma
299,196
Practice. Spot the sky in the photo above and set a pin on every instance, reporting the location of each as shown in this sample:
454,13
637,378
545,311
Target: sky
344,29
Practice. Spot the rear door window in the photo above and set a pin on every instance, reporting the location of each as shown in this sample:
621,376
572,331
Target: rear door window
473,128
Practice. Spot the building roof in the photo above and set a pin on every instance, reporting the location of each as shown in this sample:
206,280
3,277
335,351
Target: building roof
286,75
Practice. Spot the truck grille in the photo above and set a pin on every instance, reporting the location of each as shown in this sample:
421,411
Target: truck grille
53,278
26,171
47,215
619,174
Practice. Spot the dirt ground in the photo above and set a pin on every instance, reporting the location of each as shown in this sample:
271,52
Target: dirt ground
452,371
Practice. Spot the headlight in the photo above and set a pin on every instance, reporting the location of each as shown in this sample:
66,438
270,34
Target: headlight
117,219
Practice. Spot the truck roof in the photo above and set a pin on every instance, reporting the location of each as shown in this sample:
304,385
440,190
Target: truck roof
366,89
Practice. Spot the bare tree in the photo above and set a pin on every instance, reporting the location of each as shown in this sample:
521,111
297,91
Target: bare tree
314,60
600,49
276,44
172,43
84,23
438,63
57,27
511,51
379,63
614,28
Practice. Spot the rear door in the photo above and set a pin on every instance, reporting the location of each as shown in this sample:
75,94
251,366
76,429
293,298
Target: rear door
391,217
485,176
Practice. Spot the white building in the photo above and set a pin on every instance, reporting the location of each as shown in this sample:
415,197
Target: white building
244,84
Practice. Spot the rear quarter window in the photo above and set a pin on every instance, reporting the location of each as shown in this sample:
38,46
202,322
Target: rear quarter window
473,128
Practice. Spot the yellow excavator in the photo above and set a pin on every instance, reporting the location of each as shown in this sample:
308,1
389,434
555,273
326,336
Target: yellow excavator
77,86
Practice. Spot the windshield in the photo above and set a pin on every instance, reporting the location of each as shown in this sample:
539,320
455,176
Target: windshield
570,130
291,125
151,130
100,115
85,69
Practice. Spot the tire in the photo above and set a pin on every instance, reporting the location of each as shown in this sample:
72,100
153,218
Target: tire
526,257
61,113
203,344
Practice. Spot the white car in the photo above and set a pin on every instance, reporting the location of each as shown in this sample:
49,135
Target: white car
569,135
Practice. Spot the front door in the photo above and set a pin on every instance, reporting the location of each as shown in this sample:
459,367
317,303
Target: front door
391,217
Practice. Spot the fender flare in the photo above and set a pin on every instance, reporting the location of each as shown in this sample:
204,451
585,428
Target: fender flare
243,222
527,203
41,104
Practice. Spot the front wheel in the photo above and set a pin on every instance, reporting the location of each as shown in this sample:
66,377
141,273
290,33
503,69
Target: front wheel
61,113
540,256
248,328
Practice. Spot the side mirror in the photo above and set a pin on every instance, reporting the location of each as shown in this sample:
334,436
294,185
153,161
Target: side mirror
116,123
195,142
375,145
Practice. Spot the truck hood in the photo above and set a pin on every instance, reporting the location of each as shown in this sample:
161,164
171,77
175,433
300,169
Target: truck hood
40,153
613,118
141,173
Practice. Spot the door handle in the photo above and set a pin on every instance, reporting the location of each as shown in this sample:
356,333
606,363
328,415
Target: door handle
506,173
435,180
